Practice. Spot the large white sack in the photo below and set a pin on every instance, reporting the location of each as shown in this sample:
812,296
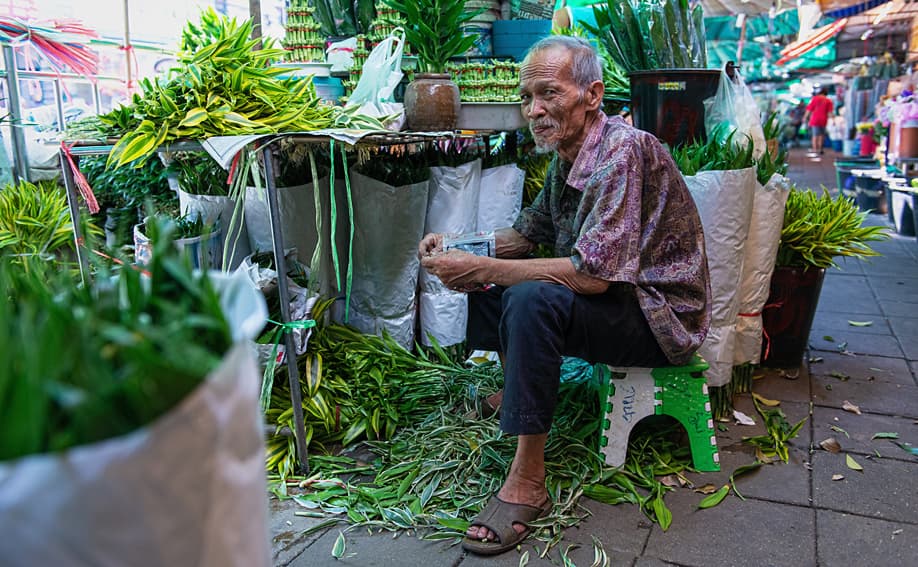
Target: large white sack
501,196
452,207
388,225
758,265
297,212
187,489
443,315
724,201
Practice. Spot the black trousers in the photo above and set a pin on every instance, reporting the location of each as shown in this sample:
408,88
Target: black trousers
534,324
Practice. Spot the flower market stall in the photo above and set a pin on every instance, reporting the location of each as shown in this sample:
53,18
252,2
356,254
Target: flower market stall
306,171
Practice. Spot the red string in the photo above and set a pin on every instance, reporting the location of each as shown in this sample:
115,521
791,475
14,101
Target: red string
765,338
121,263
81,182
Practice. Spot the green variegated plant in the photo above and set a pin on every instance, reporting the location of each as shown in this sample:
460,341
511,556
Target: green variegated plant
227,87
434,30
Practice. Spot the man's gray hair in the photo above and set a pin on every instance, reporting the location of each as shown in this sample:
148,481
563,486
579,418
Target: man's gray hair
586,66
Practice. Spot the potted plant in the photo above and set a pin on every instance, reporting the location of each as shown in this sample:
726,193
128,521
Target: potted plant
817,229
434,31
193,233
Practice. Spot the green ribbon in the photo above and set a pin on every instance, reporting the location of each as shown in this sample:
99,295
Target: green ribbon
334,216
267,380
350,245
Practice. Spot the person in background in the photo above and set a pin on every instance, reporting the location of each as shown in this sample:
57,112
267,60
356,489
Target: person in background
817,117
628,284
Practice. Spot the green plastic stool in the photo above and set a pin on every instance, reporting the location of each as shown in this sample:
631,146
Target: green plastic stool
628,395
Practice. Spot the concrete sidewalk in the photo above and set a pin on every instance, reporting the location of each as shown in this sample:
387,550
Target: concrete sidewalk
794,514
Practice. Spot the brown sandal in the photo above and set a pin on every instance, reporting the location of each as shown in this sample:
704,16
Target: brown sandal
499,517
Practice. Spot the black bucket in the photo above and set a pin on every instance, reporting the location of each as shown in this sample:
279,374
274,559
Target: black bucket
669,103
867,193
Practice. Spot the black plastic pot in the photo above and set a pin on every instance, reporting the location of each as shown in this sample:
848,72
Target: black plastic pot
903,209
867,191
788,315
669,103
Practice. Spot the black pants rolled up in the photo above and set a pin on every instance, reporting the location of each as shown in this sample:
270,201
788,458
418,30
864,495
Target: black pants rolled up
534,324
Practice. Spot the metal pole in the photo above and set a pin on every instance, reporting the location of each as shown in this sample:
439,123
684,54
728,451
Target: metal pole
127,46
74,206
59,104
96,99
20,155
280,262
255,15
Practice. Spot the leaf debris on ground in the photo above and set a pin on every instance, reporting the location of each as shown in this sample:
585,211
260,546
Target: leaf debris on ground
852,464
849,407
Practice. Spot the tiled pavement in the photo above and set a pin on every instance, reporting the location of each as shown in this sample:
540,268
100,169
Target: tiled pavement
794,514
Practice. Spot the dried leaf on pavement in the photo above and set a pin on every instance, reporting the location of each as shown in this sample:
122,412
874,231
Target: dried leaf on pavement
860,323
742,418
706,489
838,477
765,401
848,406
831,445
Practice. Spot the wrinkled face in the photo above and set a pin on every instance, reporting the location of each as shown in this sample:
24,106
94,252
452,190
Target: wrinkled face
552,103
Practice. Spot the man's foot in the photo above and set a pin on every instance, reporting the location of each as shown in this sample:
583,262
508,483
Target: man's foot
513,492
491,405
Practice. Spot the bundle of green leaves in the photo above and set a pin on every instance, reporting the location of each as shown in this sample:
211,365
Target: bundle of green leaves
199,174
86,363
656,34
714,154
35,221
817,229
396,170
223,88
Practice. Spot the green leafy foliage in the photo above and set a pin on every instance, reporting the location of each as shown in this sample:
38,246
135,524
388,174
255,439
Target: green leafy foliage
778,432
35,221
768,165
396,170
434,30
224,88
86,363
199,174
128,187
817,229
714,155
659,34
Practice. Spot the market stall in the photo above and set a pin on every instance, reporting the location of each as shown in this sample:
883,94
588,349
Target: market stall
325,184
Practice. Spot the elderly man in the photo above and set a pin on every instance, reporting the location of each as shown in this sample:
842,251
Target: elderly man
629,285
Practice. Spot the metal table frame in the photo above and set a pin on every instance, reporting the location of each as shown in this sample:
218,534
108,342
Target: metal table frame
278,240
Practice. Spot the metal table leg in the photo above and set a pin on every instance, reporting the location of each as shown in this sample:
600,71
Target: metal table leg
74,206
280,262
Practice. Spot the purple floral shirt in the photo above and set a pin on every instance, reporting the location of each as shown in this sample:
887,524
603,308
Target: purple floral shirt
622,213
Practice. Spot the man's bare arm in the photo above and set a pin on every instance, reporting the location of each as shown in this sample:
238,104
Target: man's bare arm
512,244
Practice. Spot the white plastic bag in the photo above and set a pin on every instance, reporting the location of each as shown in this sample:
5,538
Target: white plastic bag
724,201
759,263
500,197
341,54
381,74
216,208
452,207
733,109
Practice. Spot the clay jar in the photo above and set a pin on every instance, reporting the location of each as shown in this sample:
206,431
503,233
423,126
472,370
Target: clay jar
431,103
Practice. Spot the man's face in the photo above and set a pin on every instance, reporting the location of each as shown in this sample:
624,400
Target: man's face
552,102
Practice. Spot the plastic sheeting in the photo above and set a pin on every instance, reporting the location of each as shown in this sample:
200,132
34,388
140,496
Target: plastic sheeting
501,196
724,201
188,489
389,223
215,208
297,214
452,207
758,265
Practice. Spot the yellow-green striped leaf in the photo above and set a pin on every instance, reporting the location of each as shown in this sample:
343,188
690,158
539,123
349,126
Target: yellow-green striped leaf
193,117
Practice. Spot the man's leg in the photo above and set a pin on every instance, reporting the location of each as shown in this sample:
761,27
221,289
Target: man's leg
539,323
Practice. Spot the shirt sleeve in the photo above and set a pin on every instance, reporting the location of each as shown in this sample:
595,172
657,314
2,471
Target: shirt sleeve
609,243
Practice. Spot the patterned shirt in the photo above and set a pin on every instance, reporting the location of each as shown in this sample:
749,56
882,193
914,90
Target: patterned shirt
622,213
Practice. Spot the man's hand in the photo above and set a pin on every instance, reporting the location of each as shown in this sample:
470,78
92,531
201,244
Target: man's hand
457,270
430,244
